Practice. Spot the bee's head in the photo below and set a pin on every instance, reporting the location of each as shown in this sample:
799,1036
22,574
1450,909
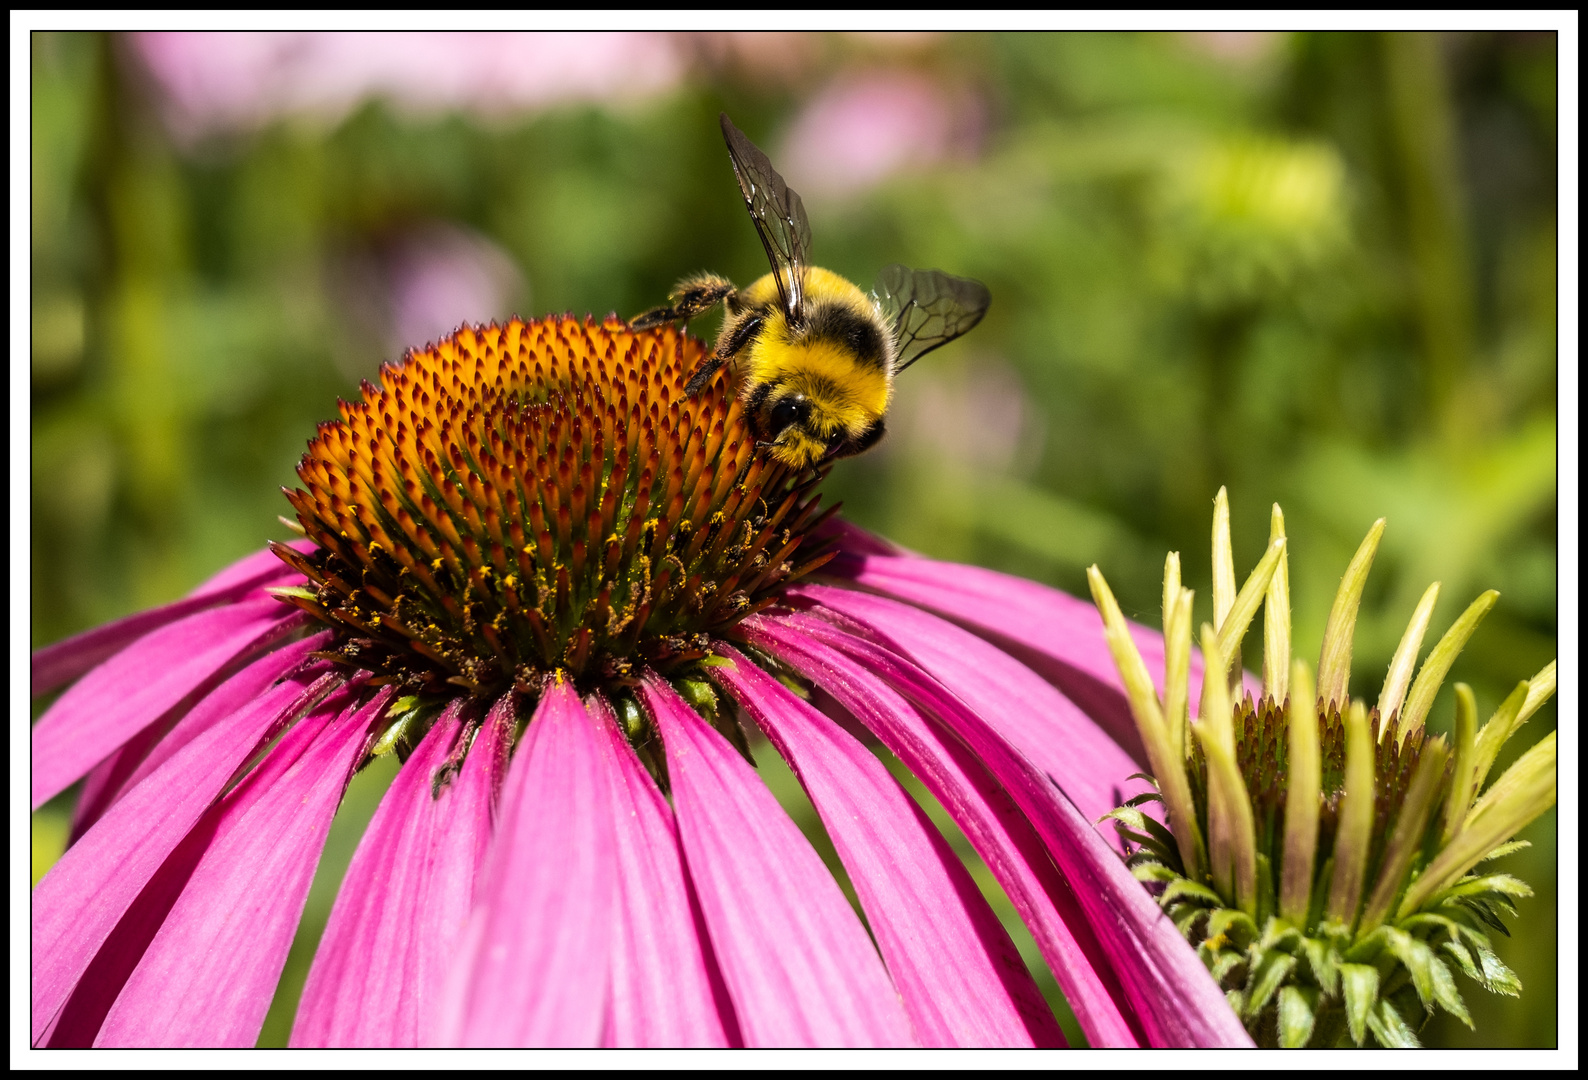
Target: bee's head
807,428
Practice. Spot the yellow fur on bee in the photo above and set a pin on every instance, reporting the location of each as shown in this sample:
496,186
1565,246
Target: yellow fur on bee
846,393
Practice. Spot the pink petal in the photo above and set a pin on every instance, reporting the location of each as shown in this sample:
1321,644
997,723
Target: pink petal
979,805
1051,632
78,903
797,961
208,976
1170,990
961,978
378,973
665,990
1024,709
82,1015
464,822
536,956
58,664
227,698
252,569
137,686
154,746
106,781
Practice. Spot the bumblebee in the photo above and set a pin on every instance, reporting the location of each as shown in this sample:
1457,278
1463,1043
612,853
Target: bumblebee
815,357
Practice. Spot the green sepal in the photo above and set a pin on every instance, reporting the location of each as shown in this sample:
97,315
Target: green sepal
1222,962
700,694
1298,1013
1430,922
1510,847
1147,831
1463,959
1496,976
1234,925
1235,998
1272,968
1483,911
1417,958
1265,887
1281,935
1360,985
1447,995
1186,889
799,689
1153,871
1389,1029
1324,962
1497,886
1186,919
1144,798
1367,949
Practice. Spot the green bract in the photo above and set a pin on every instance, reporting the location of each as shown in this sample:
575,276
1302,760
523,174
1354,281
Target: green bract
1320,854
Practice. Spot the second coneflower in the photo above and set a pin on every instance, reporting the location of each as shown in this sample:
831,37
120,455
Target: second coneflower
1319,852
555,587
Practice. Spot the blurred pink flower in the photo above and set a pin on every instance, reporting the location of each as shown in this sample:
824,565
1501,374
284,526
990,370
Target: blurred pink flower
867,127
239,80
443,276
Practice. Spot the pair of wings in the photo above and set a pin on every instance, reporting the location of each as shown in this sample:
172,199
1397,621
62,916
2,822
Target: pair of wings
925,308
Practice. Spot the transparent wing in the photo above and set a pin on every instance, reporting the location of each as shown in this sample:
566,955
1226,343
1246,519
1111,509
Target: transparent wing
927,308
779,216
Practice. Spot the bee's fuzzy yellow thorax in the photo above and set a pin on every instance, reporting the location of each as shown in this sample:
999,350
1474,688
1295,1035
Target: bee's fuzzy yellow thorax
847,391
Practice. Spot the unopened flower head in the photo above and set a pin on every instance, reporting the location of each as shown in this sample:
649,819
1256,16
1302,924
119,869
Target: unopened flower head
1320,851
564,595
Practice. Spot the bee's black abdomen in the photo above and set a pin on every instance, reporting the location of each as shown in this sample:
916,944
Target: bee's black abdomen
855,334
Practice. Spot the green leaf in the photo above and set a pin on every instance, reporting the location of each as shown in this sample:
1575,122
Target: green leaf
1273,967
1360,982
1389,1029
1297,1014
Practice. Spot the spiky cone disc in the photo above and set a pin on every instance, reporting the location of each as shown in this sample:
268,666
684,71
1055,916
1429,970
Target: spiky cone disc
1365,830
541,498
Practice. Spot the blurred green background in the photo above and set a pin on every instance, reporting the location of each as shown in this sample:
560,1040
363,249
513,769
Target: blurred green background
1319,269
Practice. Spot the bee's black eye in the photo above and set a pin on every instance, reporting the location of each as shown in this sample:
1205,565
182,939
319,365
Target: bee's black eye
787,411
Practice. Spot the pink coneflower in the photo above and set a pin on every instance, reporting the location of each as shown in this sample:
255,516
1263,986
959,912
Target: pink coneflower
561,592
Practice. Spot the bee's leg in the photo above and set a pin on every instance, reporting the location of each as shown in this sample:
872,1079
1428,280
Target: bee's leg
690,297
732,340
